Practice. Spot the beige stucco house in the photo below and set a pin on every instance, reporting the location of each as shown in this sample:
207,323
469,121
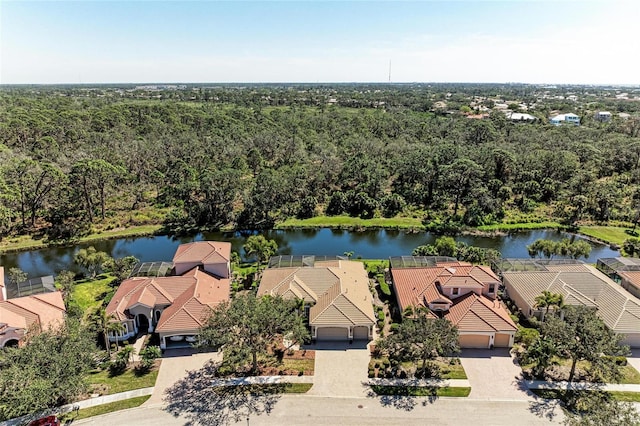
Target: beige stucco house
336,295
175,307
579,284
464,294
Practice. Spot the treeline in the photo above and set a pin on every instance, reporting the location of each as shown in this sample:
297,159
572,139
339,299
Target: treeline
68,161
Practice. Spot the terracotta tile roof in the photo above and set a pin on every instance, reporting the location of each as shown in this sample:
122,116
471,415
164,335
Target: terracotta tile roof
204,252
473,312
45,309
417,286
190,309
632,277
338,289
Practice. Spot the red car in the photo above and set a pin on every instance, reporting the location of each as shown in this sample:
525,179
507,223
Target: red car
46,421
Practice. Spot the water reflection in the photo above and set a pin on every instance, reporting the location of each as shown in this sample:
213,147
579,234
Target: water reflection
366,244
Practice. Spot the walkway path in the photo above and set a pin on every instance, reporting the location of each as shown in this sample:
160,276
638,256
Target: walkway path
610,387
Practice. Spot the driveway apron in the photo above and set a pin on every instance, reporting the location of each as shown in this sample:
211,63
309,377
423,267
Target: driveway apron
341,369
175,364
493,374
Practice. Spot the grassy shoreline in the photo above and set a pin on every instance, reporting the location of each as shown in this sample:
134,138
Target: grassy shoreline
28,242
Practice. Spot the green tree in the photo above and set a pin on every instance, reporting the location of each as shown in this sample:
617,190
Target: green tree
148,357
248,325
91,259
47,372
17,276
260,248
105,324
420,339
65,281
547,300
120,267
583,336
598,408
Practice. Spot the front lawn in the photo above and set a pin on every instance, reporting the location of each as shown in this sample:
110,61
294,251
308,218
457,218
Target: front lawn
98,410
104,383
278,363
421,391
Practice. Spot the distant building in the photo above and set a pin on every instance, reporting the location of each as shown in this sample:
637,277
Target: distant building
603,116
518,116
569,118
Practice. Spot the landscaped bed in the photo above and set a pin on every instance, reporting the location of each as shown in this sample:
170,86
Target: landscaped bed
103,409
443,368
277,363
560,372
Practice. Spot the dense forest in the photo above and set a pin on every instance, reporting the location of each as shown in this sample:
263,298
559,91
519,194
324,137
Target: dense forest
198,157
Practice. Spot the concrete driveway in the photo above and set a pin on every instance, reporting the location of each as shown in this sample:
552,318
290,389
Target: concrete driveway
340,370
175,364
634,358
493,374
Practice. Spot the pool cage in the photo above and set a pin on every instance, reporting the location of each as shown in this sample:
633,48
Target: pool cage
152,269
33,286
523,265
419,261
300,261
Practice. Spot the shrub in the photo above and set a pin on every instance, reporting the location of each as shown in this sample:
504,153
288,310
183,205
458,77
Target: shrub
526,336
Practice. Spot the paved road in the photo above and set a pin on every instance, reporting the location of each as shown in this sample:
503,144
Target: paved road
318,411
493,374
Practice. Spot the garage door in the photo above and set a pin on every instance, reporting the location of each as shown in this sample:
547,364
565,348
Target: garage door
333,333
361,333
501,341
473,341
632,339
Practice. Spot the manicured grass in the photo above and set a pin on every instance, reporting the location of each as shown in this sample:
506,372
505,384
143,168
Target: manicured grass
447,370
453,372
126,381
559,394
630,375
299,364
88,294
297,387
525,226
607,234
421,391
352,222
371,265
626,396
27,242
104,409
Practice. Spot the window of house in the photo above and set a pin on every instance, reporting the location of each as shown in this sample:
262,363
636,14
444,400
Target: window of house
455,291
492,288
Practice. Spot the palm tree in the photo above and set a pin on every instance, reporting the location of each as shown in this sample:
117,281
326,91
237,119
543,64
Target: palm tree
106,323
547,300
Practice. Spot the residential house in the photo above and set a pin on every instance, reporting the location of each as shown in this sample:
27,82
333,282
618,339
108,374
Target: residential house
176,306
520,117
603,116
19,315
336,296
463,293
580,285
569,118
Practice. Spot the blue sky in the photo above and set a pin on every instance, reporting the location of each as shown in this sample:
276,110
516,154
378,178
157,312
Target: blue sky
319,41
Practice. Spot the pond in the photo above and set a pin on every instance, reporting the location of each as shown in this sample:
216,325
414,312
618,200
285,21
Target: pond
370,244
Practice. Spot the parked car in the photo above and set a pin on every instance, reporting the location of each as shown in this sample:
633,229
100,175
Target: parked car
46,421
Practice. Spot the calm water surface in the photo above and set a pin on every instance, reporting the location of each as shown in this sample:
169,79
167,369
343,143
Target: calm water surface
367,244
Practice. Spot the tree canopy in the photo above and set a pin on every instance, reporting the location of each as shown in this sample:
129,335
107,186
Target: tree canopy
247,325
47,372
419,339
